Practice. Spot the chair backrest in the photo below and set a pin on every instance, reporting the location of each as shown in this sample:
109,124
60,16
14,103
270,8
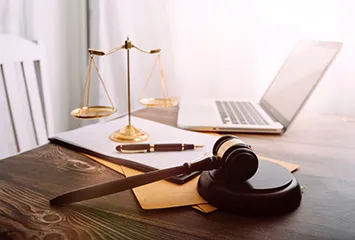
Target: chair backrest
25,106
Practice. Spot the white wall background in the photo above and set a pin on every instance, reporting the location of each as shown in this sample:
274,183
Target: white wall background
227,48
61,26
281,23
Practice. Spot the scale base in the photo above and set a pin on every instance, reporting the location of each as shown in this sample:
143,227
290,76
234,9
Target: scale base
273,190
129,134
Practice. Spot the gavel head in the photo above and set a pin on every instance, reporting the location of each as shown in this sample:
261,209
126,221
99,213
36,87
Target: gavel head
239,161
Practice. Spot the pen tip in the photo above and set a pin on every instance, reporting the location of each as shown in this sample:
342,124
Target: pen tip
199,146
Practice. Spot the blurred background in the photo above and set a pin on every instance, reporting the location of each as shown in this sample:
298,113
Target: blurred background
209,48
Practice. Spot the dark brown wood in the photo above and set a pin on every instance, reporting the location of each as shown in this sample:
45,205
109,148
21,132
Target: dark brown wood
324,146
115,186
180,179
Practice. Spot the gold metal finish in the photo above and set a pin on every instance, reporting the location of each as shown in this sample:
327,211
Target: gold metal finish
154,51
198,146
129,133
152,147
115,50
182,147
226,145
96,52
87,111
133,151
129,87
159,102
92,112
165,101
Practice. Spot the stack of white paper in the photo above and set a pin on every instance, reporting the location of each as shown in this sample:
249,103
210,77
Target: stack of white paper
96,138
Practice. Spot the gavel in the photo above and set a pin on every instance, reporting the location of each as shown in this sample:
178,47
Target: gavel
233,161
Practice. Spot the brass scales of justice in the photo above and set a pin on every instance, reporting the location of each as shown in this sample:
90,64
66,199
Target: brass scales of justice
129,133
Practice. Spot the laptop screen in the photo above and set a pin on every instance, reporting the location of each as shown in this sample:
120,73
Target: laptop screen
297,78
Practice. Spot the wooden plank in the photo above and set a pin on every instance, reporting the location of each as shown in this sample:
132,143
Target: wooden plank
25,210
326,210
19,106
326,199
7,141
77,222
35,101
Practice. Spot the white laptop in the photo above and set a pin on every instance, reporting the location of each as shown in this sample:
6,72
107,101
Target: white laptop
280,104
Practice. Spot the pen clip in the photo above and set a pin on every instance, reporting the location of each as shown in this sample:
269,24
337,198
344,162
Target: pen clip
133,151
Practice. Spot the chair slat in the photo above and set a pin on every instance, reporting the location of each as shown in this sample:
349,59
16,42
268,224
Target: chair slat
7,140
19,106
26,111
42,77
35,101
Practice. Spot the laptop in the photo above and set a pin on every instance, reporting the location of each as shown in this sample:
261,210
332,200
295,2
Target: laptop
279,105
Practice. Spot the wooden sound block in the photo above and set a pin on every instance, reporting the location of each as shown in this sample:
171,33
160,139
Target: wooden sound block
272,190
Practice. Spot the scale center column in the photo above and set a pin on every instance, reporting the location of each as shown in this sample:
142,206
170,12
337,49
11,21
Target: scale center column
129,133
129,83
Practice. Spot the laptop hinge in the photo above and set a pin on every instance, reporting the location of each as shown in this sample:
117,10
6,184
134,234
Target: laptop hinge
271,115
268,112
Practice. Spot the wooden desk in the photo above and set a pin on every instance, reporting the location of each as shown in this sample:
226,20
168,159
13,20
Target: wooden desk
323,145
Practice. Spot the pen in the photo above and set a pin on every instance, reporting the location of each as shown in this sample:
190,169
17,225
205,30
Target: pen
164,147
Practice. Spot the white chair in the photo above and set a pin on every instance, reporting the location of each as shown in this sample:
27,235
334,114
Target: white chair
26,119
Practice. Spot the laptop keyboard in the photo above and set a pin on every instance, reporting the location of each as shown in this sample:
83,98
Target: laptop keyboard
239,113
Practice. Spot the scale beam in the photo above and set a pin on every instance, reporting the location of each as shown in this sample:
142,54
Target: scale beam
129,133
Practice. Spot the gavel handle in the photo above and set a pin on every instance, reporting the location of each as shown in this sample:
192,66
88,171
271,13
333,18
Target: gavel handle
115,186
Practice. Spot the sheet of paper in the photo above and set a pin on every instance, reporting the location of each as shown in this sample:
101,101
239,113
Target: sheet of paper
206,208
164,194
96,138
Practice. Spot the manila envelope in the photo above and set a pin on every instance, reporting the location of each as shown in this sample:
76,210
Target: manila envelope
164,194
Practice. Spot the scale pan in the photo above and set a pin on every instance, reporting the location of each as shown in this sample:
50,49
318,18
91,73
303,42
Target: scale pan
93,112
159,102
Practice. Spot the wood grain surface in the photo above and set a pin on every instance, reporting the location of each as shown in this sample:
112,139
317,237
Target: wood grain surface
324,146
